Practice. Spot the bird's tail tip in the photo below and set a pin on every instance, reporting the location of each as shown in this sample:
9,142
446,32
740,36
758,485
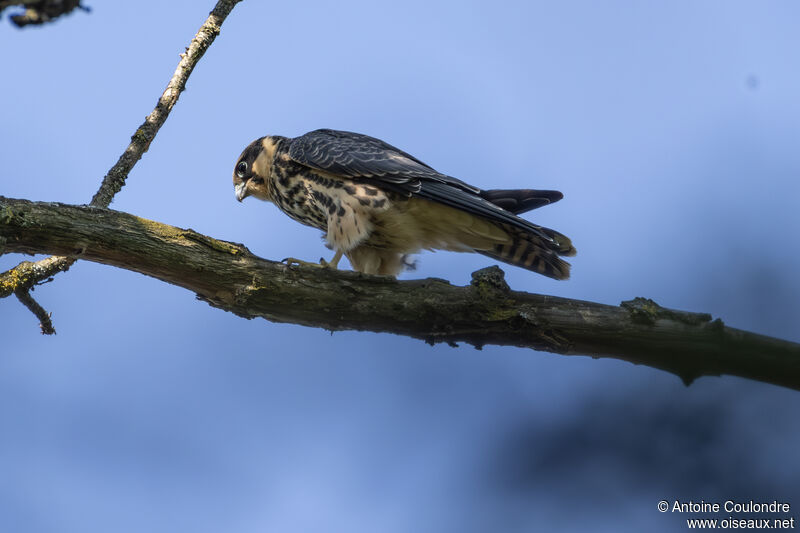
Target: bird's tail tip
520,201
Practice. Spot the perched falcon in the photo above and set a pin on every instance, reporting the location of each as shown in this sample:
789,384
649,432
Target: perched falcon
378,204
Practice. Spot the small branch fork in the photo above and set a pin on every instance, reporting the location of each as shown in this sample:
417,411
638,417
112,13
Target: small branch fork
22,278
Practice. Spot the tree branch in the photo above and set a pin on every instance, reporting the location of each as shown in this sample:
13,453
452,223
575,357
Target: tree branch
228,276
140,141
24,296
25,275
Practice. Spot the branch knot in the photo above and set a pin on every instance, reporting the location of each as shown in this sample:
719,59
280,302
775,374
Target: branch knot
646,311
490,279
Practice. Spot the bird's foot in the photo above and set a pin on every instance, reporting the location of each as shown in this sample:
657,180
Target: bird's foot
291,261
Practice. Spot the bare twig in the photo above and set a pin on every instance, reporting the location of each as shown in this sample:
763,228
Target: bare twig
228,276
140,141
27,300
27,274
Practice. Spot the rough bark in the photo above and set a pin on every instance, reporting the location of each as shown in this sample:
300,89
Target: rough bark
228,276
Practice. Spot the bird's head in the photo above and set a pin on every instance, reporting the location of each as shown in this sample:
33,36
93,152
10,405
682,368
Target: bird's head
253,169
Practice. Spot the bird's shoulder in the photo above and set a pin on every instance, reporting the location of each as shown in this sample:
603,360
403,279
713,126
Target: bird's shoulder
332,148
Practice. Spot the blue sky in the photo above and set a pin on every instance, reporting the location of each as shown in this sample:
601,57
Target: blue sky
671,128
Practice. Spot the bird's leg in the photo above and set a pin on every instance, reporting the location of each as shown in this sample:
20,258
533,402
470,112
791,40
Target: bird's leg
334,262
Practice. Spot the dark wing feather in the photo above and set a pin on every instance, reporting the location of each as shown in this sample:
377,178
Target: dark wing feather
360,156
521,200
443,194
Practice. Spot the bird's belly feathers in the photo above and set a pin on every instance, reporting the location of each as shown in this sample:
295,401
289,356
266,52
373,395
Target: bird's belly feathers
342,208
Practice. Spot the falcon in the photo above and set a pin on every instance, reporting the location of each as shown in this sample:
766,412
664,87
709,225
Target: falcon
377,204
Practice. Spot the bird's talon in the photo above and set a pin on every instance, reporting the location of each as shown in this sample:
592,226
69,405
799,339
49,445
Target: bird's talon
291,261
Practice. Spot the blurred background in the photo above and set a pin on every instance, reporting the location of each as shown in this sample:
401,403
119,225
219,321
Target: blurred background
672,129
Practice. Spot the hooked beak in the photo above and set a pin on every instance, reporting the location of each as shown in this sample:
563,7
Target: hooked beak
240,190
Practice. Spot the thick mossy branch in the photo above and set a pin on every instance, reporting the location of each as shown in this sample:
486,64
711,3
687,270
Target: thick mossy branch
228,276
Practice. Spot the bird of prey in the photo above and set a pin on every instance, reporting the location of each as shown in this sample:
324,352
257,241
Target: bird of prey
377,204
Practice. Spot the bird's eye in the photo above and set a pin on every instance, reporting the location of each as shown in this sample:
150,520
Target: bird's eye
241,169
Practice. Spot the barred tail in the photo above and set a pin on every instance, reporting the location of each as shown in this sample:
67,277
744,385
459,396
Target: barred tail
533,253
